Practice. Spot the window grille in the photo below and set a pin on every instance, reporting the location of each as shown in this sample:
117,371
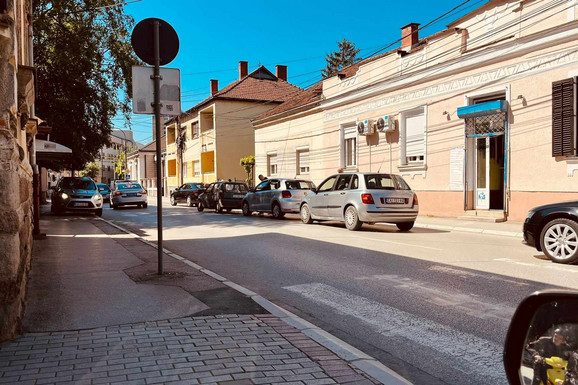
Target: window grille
494,124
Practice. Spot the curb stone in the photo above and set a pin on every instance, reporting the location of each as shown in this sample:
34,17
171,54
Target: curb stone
342,349
512,234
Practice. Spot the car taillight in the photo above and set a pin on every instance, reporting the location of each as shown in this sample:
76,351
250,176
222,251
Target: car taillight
118,193
196,192
415,202
286,194
143,192
367,199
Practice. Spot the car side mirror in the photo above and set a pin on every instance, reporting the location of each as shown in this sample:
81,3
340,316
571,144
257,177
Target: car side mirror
542,339
314,190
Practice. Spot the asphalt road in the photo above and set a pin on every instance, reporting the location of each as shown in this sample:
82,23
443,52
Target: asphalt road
432,305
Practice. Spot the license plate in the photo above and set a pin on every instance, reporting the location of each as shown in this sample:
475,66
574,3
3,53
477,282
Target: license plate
238,196
81,204
131,194
393,201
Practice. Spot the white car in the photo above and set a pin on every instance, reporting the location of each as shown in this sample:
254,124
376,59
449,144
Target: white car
128,193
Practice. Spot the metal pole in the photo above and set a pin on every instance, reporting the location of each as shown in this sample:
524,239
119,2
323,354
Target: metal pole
157,106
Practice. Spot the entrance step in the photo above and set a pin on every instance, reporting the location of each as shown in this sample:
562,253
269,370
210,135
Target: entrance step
484,216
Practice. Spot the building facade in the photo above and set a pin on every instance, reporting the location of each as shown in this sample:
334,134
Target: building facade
206,143
121,142
18,126
479,118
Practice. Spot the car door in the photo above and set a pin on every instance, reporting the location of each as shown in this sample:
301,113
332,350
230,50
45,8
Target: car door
267,196
261,189
337,197
207,195
318,201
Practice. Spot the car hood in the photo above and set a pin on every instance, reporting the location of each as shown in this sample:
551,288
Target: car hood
79,192
567,204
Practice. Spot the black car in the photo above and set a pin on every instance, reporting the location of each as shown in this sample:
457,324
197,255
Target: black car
189,193
553,229
223,196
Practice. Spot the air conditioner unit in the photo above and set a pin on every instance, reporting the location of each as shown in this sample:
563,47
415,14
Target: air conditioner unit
386,124
365,127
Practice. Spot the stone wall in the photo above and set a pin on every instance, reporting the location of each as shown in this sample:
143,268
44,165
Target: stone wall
15,190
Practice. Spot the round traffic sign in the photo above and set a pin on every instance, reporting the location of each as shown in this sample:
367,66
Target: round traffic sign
142,40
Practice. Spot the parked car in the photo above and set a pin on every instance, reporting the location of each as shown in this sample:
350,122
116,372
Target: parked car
357,198
189,193
104,191
76,194
553,229
223,196
276,196
128,193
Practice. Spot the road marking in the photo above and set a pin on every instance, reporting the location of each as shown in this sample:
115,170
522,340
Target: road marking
401,243
467,353
458,301
549,267
468,274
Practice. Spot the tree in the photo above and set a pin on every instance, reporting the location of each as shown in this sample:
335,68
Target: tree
345,56
120,165
248,164
83,58
91,170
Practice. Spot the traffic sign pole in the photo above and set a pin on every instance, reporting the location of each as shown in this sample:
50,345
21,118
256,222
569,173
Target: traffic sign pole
157,107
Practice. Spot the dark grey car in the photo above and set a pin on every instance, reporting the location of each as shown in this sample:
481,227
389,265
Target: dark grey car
276,196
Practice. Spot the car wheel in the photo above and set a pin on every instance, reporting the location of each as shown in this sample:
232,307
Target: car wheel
352,221
219,207
246,209
405,226
559,240
173,201
98,212
190,201
306,214
200,207
276,211
145,205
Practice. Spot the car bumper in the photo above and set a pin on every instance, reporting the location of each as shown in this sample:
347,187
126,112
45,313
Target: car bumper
128,200
371,213
530,235
81,205
290,206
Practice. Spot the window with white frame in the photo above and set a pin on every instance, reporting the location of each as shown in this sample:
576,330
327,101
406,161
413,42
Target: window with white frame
185,170
196,168
303,161
349,147
413,130
272,164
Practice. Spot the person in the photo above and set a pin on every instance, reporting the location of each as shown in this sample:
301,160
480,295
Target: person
545,347
262,178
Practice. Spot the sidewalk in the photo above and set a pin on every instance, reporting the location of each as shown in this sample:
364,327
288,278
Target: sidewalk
509,229
98,313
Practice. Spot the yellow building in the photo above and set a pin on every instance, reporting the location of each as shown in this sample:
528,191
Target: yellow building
469,116
206,143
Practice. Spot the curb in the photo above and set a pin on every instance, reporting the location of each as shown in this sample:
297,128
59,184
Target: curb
512,234
342,349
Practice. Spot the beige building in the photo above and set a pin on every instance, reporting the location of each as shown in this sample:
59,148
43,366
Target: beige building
479,118
206,143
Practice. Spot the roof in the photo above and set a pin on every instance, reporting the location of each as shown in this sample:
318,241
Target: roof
258,86
151,147
312,96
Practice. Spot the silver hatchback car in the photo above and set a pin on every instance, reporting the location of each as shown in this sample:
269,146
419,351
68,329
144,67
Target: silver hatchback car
128,193
276,196
359,198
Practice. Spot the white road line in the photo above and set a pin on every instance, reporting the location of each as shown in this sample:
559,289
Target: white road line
549,267
400,243
457,301
468,353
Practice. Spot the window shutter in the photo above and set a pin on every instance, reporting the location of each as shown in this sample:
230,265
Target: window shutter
563,117
415,135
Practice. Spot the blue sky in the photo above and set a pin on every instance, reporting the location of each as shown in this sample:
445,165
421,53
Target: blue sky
215,35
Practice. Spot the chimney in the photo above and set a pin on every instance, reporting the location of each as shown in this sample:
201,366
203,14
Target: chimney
409,36
243,69
214,86
281,72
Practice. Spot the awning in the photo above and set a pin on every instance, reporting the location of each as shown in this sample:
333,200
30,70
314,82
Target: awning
46,150
483,109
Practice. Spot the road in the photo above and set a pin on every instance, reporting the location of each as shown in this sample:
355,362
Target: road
432,305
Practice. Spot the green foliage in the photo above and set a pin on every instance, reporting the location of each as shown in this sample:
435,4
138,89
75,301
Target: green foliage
91,170
83,58
345,56
248,164
120,165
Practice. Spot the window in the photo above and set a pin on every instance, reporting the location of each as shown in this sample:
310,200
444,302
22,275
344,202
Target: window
379,181
263,186
349,147
413,128
185,170
327,185
564,138
195,130
298,185
196,168
272,164
343,182
355,183
303,161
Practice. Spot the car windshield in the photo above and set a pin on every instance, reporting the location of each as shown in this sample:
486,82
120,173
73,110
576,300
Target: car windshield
78,184
129,186
298,185
236,188
102,187
379,181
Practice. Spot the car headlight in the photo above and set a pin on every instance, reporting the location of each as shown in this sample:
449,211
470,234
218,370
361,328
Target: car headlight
98,197
64,195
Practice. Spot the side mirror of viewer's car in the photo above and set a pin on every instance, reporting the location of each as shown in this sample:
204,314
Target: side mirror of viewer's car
542,341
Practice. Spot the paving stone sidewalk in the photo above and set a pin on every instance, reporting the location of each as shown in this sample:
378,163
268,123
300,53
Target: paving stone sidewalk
231,349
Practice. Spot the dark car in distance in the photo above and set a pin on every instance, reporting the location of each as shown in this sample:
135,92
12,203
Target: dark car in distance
104,191
553,229
223,196
189,193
